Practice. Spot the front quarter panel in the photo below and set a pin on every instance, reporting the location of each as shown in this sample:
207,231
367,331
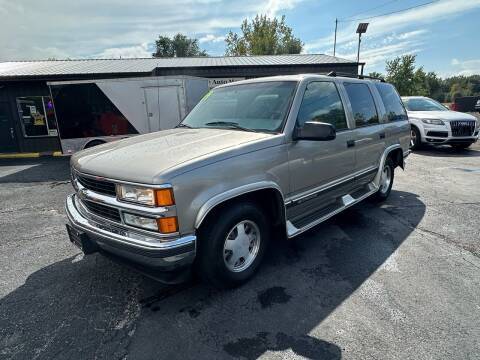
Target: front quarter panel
194,190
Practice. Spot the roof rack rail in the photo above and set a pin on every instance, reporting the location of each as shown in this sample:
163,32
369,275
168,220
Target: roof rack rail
335,74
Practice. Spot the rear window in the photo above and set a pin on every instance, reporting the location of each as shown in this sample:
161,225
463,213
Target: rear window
363,105
392,102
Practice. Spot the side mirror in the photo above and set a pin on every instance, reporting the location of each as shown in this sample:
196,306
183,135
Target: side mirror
315,131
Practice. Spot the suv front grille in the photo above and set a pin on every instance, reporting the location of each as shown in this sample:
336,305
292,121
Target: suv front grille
99,186
102,210
462,127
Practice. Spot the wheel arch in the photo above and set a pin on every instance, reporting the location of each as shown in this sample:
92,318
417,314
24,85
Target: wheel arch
267,194
94,142
392,150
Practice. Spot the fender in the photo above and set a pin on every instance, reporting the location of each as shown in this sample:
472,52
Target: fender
387,151
232,193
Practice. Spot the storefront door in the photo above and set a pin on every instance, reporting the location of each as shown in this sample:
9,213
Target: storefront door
7,133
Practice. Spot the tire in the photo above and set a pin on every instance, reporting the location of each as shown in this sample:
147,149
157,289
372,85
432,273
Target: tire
385,185
415,138
93,143
461,146
216,254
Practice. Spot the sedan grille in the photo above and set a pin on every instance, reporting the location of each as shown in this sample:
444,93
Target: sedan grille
99,186
102,210
462,127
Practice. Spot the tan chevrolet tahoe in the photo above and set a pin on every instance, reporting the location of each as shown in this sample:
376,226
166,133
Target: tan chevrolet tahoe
280,153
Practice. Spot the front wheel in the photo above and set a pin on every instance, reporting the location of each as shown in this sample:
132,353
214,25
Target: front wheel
232,246
415,138
386,181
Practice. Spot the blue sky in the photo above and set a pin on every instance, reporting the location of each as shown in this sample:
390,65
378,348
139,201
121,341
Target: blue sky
443,34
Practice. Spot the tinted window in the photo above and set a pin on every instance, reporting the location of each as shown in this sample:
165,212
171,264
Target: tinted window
423,104
391,100
321,103
363,106
256,106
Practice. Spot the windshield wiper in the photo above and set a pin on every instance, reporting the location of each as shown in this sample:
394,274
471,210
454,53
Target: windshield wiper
229,124
183,125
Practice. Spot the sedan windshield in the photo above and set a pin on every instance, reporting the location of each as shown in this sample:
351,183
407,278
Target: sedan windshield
423,104
248,107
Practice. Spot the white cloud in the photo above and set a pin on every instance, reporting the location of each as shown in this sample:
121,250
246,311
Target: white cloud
211,38
140,51
395,28
466,67
273,7
110,28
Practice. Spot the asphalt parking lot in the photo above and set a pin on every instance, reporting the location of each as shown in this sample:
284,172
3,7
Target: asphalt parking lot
396,281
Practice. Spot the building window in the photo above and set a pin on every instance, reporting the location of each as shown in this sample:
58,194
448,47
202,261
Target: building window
37,116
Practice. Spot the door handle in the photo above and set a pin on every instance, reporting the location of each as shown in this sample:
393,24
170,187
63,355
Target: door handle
382,135
350,143
11,134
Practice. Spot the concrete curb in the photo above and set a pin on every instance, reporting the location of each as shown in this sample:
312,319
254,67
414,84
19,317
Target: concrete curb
30,155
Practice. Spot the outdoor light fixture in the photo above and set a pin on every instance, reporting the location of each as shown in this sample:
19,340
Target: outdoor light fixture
361,29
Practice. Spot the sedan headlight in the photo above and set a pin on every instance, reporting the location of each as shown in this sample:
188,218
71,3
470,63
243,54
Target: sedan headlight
145,196
433,121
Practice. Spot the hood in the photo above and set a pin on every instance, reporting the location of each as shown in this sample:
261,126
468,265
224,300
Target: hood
442,115
147,158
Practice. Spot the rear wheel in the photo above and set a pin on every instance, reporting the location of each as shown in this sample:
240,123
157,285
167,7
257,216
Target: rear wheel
232,246
415,138
461,146
386,181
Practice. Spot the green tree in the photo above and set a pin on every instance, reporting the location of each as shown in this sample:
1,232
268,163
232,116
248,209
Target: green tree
401,73
377,75
263,36
178,46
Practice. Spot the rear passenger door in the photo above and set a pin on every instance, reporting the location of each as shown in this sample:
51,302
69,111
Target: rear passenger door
369,133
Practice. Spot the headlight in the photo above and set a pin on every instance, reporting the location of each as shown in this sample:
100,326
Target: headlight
140,221
145,196
433,121
164,225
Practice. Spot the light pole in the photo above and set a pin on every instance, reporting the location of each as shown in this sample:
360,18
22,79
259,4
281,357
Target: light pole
361,29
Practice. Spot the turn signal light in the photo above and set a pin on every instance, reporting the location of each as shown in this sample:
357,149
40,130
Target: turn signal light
164,197
167,225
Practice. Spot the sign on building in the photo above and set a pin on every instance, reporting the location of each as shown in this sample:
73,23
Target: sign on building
220,81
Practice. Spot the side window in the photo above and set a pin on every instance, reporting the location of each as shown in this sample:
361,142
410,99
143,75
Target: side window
391,100
321,103
363,106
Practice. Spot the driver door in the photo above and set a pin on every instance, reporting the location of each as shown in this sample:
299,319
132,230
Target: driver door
320,170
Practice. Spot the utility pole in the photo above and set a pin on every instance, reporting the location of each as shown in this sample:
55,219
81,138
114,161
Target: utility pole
361,29
359,41
335,41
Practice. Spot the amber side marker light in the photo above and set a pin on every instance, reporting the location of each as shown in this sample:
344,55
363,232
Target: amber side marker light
167,225
164,197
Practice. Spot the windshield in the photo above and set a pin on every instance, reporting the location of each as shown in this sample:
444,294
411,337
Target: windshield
423,104
247,107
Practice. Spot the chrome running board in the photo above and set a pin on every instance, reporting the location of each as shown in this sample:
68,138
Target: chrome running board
344,202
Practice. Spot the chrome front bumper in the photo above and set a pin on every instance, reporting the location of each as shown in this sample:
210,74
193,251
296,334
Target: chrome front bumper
162,254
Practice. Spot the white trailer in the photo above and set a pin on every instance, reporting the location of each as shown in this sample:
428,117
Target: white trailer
91,112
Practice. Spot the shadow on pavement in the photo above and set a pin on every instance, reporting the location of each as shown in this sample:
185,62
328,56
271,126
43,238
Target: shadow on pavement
34,170
93,308
448,151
